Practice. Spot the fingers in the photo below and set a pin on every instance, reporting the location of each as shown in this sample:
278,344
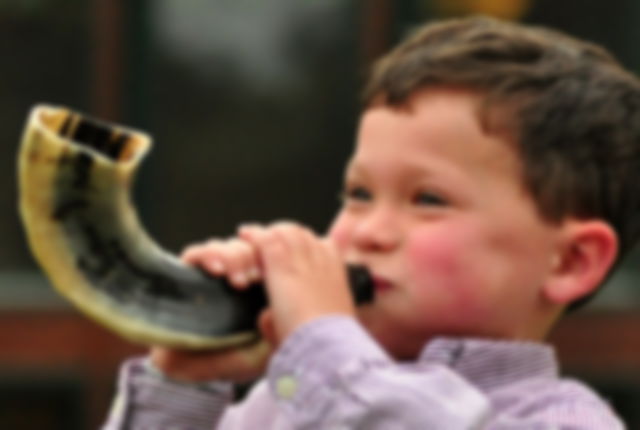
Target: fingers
266,325
281,240
234,258
236,365
304,275
286,246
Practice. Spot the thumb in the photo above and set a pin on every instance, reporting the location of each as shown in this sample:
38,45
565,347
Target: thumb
266,325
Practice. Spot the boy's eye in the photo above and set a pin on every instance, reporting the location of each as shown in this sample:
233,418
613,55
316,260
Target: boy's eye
357,193
430,199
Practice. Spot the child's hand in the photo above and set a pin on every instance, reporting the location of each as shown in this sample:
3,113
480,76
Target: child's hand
304,274
305,278
238,365
237,260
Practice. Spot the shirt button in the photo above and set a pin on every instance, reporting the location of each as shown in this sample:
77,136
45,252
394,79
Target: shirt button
286,387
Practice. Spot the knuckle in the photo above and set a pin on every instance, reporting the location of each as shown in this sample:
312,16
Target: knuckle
285,226
209,243
329,245
211,246
292,230
240,250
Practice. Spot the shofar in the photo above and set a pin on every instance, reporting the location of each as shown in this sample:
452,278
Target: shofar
75,174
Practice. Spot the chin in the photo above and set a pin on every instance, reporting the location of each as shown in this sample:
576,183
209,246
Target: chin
399,344
403,352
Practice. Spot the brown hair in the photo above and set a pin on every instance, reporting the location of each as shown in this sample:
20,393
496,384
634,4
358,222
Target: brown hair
573,110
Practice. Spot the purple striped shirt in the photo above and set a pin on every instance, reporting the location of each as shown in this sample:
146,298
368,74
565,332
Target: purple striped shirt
330,374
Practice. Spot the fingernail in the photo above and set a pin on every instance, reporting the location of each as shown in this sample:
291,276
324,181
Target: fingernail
216,266
240,279
254,273
248,226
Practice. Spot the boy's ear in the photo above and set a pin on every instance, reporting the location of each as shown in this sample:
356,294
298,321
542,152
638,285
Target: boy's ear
587,251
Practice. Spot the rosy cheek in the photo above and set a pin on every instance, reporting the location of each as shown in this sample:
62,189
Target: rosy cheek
440,268
434,255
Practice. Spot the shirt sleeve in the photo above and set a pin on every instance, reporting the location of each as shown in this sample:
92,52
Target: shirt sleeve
147,400
331,374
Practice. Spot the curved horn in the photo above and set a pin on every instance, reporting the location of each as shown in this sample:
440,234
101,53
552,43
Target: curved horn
75,174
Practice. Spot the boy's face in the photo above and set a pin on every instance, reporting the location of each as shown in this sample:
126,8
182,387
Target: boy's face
436,209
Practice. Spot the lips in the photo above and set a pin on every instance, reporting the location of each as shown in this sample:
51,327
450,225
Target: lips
381,284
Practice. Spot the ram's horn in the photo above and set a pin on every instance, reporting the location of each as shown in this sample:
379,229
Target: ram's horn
75,174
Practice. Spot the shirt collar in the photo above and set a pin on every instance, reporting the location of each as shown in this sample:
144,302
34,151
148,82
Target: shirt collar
489,364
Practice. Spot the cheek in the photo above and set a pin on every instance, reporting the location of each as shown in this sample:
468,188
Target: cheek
436,256
441,266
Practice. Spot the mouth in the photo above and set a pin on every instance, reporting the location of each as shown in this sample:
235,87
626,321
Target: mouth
381,284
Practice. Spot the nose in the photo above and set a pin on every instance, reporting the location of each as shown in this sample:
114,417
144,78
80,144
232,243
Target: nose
378,230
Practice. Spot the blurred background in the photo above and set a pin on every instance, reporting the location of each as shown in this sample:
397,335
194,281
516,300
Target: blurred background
253,107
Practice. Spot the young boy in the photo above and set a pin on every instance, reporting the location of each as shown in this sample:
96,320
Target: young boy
493,186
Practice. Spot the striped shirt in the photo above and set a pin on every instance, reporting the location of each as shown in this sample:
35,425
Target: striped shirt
330,374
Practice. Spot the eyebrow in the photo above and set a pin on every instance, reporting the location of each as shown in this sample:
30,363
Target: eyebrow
409,169
355,169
